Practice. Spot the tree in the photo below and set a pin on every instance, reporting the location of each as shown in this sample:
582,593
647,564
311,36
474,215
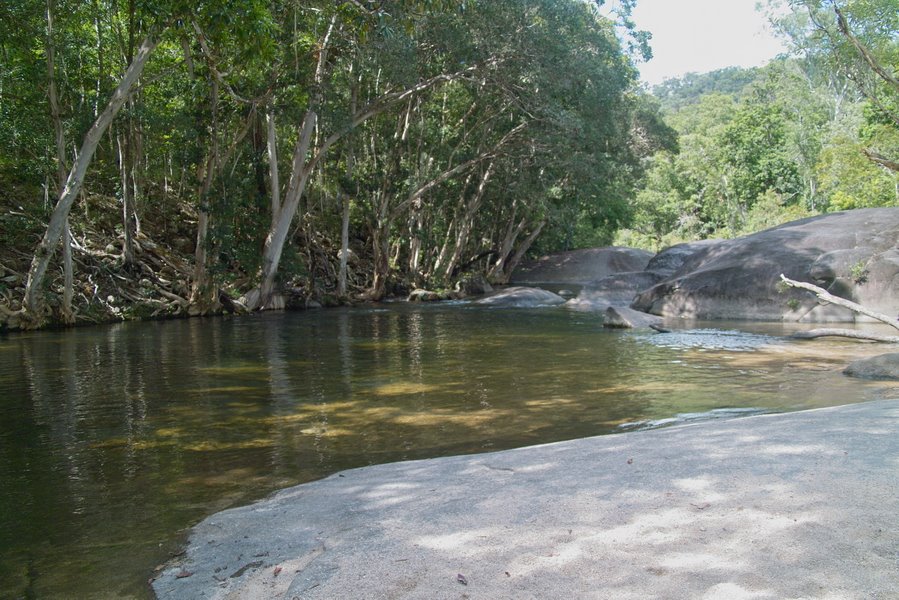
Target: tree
75,179
857,38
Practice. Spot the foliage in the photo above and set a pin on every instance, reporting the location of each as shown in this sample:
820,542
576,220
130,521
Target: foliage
446,126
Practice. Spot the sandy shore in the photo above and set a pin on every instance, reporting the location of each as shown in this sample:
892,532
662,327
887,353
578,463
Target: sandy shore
800,505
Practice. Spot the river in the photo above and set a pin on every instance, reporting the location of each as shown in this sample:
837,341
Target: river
115,439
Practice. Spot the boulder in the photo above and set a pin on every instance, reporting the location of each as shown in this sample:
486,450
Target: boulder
423,296
581,266
852,254
884,367
672,259
620,317
522,297
473,285
619,289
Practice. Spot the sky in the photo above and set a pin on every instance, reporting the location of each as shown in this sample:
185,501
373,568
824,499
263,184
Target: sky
703,35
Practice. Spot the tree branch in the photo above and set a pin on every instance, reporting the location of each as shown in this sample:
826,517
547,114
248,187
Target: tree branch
380,105
881,160
826,296
843,24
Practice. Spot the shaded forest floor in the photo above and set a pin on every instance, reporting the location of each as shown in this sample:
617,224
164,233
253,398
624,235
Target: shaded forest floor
107,289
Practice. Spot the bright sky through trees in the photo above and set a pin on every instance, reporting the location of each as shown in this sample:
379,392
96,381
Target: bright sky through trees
703,35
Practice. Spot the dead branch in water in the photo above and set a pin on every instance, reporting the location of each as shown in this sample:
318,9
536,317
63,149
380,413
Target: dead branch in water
846,333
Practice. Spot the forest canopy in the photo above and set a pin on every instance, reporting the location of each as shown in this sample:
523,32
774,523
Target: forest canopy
812,132
159,157
327,148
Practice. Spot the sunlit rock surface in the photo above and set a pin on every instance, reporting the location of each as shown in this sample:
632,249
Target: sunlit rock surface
522,297
883,367
622,317
800,505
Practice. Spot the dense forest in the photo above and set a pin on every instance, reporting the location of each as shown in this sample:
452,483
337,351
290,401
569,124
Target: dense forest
167,158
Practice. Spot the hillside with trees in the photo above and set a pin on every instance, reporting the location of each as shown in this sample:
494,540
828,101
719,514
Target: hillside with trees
812,133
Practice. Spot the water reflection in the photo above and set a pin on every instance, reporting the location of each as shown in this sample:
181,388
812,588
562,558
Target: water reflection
115,439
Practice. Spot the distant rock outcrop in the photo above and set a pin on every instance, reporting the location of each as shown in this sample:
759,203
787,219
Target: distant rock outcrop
852,254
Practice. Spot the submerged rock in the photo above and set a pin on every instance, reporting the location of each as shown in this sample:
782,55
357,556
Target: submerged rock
884,367
522,297
620,317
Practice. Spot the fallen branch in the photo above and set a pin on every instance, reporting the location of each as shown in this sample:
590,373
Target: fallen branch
846,333
826,296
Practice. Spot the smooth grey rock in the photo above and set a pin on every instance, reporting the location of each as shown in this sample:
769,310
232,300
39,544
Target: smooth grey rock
883,367
581,266
797,505
522,297
672,259
619,289
621,317
423,296
474,285
740,278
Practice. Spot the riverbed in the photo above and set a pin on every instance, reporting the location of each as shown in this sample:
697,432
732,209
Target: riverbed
116,439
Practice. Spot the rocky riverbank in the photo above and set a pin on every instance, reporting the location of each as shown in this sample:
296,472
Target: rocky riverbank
852,254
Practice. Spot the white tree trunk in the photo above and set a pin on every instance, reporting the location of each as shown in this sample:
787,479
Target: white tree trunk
274,178
68,314
47,246
519,253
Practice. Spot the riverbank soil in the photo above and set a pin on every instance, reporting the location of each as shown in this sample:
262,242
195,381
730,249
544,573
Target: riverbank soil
774,506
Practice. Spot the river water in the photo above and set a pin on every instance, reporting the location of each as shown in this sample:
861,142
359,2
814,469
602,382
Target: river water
116,439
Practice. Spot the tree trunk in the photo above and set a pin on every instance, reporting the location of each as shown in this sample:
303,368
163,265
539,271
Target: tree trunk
301,169
496,272
277,235
344,244
50,240
381,248
506,274
68,315
127,204
202,298
272,145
